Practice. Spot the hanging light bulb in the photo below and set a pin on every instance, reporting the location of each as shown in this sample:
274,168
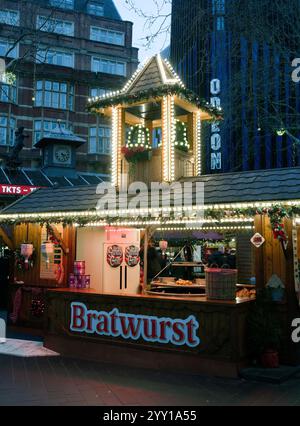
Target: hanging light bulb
281,132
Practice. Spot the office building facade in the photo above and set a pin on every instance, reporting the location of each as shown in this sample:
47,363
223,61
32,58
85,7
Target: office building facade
61,52
237,55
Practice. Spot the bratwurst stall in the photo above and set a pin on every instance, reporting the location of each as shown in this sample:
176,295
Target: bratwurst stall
156,276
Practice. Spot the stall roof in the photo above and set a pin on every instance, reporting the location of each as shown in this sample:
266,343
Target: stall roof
37,178
252,186
256,186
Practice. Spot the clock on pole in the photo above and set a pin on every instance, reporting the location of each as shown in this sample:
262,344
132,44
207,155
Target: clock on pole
59,151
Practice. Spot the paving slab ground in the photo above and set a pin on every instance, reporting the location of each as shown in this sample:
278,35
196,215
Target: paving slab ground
271,375
54,381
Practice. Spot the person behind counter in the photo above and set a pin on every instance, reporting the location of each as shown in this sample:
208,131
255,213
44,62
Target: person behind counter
217,259
154,260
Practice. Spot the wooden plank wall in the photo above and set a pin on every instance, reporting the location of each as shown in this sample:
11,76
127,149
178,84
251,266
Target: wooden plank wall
245,258
271,257
32,233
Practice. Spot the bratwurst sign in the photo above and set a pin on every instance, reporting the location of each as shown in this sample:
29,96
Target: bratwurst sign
116,324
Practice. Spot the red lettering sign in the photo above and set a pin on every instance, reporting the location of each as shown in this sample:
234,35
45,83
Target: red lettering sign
116,324
16,190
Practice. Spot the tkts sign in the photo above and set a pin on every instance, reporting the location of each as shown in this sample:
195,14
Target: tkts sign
16,190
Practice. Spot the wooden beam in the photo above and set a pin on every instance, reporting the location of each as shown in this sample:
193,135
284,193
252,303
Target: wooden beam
7,240
259,254
146,241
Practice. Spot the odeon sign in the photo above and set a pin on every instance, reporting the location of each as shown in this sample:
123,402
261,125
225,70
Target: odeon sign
215,139
178,332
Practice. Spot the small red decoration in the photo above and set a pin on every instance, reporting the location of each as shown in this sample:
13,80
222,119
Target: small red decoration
270,359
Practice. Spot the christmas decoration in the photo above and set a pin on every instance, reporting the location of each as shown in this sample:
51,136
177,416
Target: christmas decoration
217,216
25,258
155,93
276,215
37,306
26,252
138,144
181,141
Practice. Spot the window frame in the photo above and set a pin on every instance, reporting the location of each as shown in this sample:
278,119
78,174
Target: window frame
108,31
99,94
12,96
97,137
41,131
45,53
41,93
88,10
9,44
9,11
62,4
55,21
114,61
9,130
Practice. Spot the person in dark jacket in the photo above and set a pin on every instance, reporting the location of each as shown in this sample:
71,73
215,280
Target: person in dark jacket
154,260
4,280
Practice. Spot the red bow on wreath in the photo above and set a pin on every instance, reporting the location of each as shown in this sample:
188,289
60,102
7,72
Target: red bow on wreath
279,232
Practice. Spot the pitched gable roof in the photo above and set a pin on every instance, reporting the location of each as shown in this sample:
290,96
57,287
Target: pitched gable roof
154,74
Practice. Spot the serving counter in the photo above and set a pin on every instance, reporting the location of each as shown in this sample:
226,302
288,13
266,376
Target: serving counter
192,335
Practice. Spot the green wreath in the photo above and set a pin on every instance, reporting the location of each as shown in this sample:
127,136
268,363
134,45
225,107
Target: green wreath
181,141
139,136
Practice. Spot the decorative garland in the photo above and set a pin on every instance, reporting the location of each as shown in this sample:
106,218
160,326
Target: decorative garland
276,213
155,93
52,236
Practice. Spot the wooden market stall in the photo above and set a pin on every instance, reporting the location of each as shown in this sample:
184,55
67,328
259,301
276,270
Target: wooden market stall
220,326
77,250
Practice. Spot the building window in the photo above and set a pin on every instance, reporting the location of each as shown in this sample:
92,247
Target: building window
100,140
55,26
10,17
107,36
98,92
96,9
108,66
55,57
8,92
63,4
54,94
46,126
8,48
7,130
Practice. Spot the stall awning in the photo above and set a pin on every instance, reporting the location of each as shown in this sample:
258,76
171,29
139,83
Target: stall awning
221,192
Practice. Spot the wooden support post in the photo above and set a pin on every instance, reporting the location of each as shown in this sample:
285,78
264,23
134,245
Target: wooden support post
259,254
7,240
146,241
